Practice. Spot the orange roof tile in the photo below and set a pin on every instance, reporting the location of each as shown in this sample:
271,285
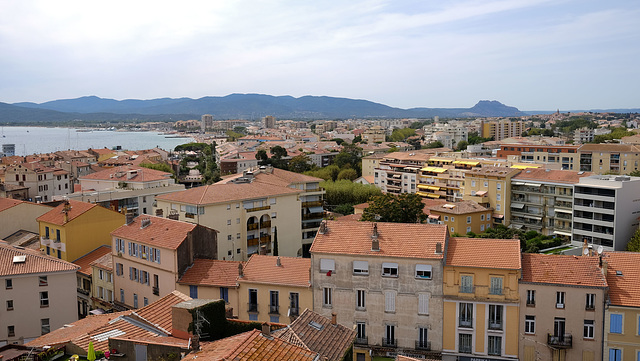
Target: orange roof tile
6,203
104,262
562,270
551,175
35,262
159,312
461,207
161,232
85,261
411,240
230,192
623,277
264,269
484,253
122,174
56,215
209,272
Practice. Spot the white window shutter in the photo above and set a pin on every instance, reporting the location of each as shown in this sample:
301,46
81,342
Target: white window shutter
390,301
423,304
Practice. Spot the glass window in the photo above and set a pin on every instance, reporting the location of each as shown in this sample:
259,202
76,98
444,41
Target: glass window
224,294
294,303
495,345
327,297
468,219
274,302
360,267
145,301
495,317
423,271
590,303
466,284
327,265
9,305
360,299
44,299
193,291
44,326
390,269
588,329
465,316
361,332
464,343
42,280
615,324
135,300
530,324
531,297
8,283
559,299
496,286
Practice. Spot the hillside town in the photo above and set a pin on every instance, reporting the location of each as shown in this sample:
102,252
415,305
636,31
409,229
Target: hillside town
365,240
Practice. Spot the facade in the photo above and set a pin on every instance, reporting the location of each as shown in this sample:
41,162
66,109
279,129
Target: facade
85,278
102,281
375,134
36,293
491,187
563,157
481,300
542,200
212,279
605,210
274,289
562,303
501,129
463,217
18,215
251,208
447,133
269,122
151,253
73,229
385,281
43,182
13,191
609,158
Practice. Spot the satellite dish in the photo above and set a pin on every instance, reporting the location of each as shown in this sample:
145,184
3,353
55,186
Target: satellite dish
600,249
585,251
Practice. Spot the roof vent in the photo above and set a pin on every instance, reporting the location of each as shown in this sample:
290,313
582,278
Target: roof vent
145,222
618,273
278,263
375,243
316,325
19,259
439,248
323,228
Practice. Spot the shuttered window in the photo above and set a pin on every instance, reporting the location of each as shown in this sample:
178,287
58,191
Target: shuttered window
423,304
389,301
327,265
616,323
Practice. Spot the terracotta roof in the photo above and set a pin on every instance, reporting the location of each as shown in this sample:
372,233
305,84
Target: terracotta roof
6,203
264,269
603,147
209,272
251,345
35,262
159,312
121,173
411,240
562,270
161,232
56,215
85,261
350,218
220,193
331,341
484,253
104,262
462,207
551,175
623,277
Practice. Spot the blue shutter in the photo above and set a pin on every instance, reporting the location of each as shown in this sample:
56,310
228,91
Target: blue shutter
130,273
129,248
616,323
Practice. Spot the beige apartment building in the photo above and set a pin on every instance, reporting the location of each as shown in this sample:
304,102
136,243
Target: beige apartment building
18,215
37,294
375,134
562,303
250,209
385,281
151,253
43,182
102,277
609,158
462,217
491,187
501,129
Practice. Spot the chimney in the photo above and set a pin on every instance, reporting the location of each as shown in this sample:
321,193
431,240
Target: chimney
375,243
323,228
65,210
439,248
605,266
266,329
278,262
173,214
129,218
240,270
585,247
145,222
334,318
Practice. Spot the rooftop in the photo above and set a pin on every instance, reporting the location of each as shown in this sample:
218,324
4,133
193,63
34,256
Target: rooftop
104,262
484,253
160,232
461,207
623,277
57,215
551,175
209,272
293,271
562,270
85,261
128,174
493,171
11,262
410,240
6,203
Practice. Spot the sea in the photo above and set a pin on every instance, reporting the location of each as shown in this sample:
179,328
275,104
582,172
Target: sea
35,140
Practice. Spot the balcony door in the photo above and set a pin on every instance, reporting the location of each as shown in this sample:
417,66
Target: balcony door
559,328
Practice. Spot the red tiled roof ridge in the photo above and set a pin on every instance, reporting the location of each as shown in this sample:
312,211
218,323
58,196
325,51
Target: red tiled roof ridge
63,266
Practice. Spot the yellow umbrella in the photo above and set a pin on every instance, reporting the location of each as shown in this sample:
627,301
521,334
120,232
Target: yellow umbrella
91,353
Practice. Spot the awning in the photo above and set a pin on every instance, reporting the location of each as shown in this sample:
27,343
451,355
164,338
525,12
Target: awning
434,169
523,166
432,188
563,233
533,184
481,193
517,205
517,183
431,195
434,216
516,226
533,217
498,216
563,211
443,160
423,194
315,209
466,162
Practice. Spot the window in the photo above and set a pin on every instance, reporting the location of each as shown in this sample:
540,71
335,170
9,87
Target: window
9,305
482,228
423,341
274,318
466,284
229,238
294,303
327,265
498,207
360,299
42,280
228,206
468,219
119,269
135,300
193,291
228,222
464,343
145,302
468,229
423,304
498,186
361,333
453,230
11,331
590,303
453,218
446,218
390,269
482,217
495,317
495,345
389,301
46,232
44,326
615,325
326,297
588,329
121,295
423,271
224,294
559,299
531,297
486,184
466,315
44,299
274,302
389,336
615,354
499,197
253,317
360,267
529,324
473,183
496,286
101,274
253,300
57,235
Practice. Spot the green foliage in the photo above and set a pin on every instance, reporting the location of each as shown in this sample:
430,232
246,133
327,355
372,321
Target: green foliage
300,163
400,208
616,133
635,173
163,167
338,140
344,209
327,173
347,192
530,242
399,135
206,160
275,242
462,145
191,147
277,160
349,157
436,144
538,131
474,138
348,173
357,139
634,242
232,136
568,126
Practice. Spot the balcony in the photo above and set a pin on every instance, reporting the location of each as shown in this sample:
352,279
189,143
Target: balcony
312,204
389,342
531,303
252,307
364,340
257,209
496,291
274,309
313,216
466,322
423,345
562,341
83,291
495,326
467,289
294,311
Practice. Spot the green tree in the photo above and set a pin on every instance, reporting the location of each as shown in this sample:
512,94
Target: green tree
462,145
348,173
163,167
634,242
399,135
328,173
635,173
300,163
344,209
346,192
262,157
436,144
401,208
275,241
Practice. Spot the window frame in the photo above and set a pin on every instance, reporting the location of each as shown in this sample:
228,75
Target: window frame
589,329
44,299
388,269
361,268
427,270
530,324
361,300
560,299
327,297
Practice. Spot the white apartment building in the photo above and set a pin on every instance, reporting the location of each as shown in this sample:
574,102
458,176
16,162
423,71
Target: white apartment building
44,182
447,133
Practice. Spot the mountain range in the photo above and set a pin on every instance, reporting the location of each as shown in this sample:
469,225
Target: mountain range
233,106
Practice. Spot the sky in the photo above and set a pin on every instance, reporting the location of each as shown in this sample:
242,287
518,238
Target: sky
531,54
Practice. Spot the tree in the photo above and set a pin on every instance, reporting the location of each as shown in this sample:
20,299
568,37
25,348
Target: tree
348,173
346,192
436,144
338,140
262,157
462,145
300,163
401,208
275,241
277,155
328,173
634,242
635,173
163,167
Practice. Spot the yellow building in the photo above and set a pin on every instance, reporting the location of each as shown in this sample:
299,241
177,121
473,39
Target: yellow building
501,129
609,158
481,300
102,277
86,289
274,289
370,163
212,279
491,187
463,217
73,229
621,331
375,134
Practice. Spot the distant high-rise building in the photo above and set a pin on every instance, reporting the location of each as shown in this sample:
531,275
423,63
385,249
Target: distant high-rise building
9,150
206,120
269,121
501,129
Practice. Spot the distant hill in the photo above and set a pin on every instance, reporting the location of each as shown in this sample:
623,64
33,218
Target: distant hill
234,106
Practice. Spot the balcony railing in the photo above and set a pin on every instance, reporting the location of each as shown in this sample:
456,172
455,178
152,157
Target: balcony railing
465,322
362,340
467,289
495,325
274,309
252,307
464,349
294,311
83,291
313,216
156,291
531,303
495,291
312,204
389,342
563,341
257,208
424,345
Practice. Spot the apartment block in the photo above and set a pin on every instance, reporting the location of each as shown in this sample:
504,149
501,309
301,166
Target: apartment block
609,158
462,217
564,157
102,281
490,186
501,129
385,281
85,279
43,182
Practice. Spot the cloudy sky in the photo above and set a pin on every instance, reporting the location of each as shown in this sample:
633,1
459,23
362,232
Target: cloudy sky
531,54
